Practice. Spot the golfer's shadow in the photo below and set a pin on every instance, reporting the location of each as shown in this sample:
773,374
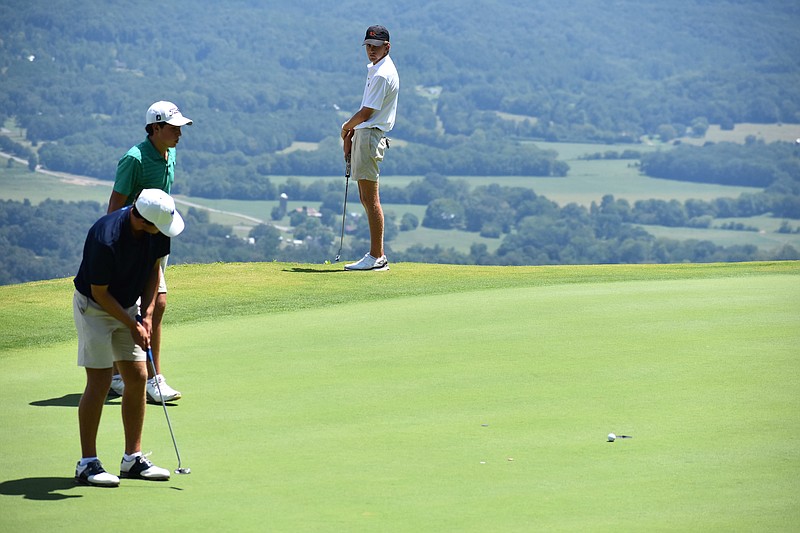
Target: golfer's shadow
69,400
306,270
39,488
72,400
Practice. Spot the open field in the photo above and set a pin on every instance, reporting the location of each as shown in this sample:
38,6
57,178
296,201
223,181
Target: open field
18,183
485,406
589,181
764,132
765,239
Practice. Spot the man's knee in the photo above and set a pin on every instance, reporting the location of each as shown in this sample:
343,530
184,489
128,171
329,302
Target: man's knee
98,378
134,373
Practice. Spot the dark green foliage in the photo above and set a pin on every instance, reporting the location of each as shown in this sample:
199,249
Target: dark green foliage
444,213
43,241
10,147
410,222
78,77
755,164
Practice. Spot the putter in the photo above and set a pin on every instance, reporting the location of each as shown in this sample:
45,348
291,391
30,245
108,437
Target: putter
344,209
180,469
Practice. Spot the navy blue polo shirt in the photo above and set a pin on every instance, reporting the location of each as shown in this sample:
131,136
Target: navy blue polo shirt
113,256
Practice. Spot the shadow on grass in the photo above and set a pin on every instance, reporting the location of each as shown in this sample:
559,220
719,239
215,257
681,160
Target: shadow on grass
306,270
39,488
70,400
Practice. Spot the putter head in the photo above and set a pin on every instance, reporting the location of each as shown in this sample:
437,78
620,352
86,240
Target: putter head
183,470
336,259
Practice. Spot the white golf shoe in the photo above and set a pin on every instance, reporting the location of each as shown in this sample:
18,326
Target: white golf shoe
140,467
369,263
168,393
94,474
117,385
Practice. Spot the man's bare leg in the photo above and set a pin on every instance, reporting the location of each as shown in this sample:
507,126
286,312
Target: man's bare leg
134,374
370,199
90,408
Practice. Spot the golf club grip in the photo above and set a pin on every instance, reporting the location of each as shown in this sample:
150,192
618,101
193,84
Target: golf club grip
347,166
140,320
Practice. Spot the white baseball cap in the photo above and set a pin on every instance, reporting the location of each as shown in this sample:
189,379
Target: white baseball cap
168,112
158,207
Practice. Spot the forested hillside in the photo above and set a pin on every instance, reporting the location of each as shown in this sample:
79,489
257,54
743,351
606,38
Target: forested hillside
484,84
259,76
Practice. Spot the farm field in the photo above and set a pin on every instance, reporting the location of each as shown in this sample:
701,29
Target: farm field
765,239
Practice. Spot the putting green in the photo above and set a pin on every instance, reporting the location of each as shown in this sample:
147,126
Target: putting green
473,409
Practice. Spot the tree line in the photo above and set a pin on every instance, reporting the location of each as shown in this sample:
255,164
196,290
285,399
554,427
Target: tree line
45,241
755,164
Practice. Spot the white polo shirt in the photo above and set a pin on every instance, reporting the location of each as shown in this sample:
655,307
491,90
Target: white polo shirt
380,94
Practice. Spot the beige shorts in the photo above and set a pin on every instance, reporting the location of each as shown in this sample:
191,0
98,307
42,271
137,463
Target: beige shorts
102,339
369,146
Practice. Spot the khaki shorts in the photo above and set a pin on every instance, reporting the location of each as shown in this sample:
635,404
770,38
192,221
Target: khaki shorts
369,146
102,339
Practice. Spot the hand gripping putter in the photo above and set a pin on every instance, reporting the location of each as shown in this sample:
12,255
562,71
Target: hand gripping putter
180,469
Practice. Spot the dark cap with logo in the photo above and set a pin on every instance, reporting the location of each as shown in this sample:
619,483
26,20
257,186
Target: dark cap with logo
376,36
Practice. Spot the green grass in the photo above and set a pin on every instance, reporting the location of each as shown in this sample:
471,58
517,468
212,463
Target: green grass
430,398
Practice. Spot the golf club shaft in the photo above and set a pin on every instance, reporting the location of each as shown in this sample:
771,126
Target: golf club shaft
164,405
344,208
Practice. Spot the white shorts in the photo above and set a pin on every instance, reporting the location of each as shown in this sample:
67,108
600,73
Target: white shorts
162,279
102,339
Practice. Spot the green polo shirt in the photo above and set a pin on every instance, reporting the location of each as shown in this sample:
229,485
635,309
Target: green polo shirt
142,167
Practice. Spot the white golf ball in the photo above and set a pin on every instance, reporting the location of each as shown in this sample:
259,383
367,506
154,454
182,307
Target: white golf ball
611,437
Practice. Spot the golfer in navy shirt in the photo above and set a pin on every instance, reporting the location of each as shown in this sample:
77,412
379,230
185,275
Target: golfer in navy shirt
119,266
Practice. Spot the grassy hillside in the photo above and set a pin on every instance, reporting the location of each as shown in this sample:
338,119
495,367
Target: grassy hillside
430,398
205,292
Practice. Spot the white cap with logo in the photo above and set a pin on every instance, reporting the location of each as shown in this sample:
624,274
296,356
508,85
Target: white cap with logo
168,112
158,207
